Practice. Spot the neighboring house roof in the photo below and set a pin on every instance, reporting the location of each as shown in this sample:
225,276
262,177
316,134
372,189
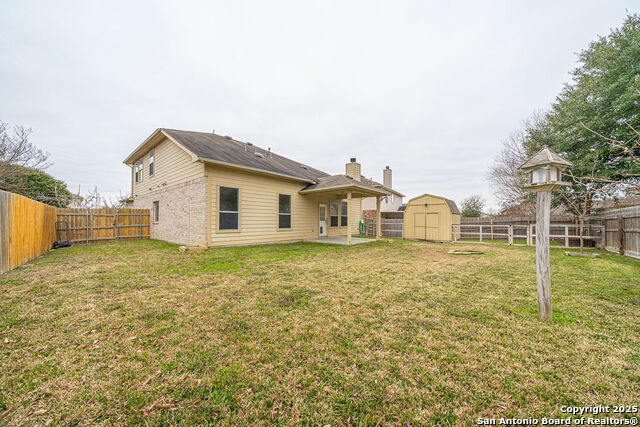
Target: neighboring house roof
338,182
543,157
213,148
378,185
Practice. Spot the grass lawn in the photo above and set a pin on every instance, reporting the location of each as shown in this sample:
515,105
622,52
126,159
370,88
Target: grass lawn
399,333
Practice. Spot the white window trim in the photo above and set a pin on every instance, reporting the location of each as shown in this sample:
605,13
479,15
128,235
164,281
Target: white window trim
155,213
152,162
290,227
139,169
223,230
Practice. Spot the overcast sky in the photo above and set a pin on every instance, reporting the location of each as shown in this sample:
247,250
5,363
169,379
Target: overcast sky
428,88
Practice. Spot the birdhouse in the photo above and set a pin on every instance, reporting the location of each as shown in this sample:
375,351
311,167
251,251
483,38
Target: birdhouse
544,170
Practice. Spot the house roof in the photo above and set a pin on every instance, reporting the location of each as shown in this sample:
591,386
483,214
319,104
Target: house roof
543,157
217,148
342,182
214,148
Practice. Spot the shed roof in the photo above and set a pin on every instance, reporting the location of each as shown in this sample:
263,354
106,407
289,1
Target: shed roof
543,157
450,203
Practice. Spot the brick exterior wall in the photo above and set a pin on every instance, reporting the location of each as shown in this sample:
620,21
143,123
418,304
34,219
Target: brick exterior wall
182,213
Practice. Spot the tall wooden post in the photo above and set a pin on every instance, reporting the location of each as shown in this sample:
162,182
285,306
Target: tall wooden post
543,208
544,171
349,218
378,219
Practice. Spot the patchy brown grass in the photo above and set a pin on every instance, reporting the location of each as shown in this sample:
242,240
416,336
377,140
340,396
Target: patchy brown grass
380,333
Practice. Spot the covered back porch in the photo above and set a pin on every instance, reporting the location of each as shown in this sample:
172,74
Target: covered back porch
340,188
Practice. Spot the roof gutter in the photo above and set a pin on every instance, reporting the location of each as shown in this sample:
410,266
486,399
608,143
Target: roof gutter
250,169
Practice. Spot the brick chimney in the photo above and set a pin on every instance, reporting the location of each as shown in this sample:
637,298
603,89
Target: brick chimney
386,177
352,169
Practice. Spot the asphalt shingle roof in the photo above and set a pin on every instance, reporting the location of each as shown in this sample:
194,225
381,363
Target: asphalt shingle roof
337,181
227,150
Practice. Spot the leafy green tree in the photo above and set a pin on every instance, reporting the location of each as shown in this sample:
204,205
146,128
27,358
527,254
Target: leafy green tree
602,97
472,206
22,166
601,104
35,184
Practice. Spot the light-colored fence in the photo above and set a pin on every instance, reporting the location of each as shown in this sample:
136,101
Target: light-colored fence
95,225
616,230
390,227
562,235
27,229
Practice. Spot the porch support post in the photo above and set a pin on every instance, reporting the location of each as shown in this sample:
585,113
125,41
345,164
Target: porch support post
378,219
349,218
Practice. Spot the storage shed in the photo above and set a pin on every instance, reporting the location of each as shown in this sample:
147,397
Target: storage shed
430,217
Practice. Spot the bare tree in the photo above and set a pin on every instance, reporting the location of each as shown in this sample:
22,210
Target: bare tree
95,200
504,174
581,201
15,149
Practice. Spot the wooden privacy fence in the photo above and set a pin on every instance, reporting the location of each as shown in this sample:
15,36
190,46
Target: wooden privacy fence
27,229
622,231
390,227
95,225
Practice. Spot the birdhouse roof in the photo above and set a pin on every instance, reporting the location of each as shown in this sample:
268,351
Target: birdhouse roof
545,157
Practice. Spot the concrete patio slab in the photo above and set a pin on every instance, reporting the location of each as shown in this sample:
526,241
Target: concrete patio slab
339,240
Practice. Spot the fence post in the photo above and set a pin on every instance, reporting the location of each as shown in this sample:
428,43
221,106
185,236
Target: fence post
115,227
510,234
480,234
621,234
87,227
491,228
566,236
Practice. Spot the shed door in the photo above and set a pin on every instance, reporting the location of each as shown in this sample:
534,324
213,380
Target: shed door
419,229
433,226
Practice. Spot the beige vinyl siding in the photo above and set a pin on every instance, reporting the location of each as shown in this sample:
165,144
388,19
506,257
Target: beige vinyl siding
173,165
258,206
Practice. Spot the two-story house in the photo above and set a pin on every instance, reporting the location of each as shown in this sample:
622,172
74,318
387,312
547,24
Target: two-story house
210,190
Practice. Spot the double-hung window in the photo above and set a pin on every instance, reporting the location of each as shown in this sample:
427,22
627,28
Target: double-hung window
156,211
284,211
343,214
228,212
333,212
138,171
152,158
